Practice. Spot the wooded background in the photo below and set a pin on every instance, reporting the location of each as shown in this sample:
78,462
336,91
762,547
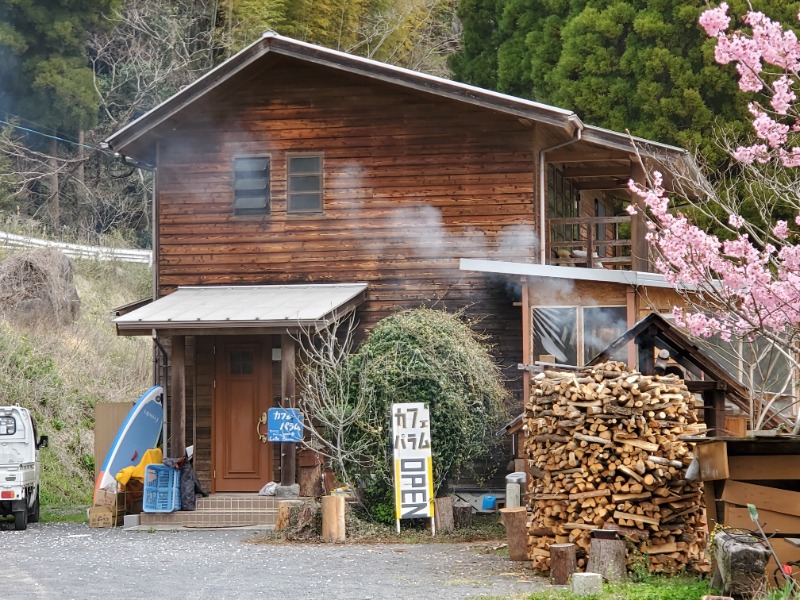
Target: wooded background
71,73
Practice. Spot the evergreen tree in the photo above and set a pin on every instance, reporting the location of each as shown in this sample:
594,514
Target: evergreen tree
642,65
44,73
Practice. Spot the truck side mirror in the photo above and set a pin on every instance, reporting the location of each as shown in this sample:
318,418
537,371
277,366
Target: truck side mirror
44,441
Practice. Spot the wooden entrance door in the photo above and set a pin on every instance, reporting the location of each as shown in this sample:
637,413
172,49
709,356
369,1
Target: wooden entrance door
243,388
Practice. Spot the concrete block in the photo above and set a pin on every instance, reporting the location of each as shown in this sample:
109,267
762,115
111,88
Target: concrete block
587,584
288,491
131,521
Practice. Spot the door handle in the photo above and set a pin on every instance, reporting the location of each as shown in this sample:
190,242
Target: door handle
259,423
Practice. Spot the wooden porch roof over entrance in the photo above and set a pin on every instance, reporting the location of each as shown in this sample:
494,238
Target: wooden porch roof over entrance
252,309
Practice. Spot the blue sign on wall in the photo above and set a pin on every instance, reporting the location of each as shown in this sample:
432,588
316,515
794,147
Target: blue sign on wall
285,425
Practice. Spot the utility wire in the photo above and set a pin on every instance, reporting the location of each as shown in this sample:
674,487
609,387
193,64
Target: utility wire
55,137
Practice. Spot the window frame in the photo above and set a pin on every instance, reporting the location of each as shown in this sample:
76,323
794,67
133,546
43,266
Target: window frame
580,326
289,175
249,211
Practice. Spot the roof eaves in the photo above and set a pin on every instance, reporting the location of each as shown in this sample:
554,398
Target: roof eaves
627,142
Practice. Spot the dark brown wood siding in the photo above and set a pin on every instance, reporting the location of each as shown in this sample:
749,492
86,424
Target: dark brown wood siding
412,183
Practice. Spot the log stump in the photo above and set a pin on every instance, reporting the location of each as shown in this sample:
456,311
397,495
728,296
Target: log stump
462,515
285,510
563,563
515,521
443,514
608,558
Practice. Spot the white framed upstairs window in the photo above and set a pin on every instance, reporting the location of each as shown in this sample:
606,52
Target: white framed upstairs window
251,185
304,183
574,335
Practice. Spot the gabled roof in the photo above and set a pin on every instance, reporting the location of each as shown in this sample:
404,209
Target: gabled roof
682,350
133,140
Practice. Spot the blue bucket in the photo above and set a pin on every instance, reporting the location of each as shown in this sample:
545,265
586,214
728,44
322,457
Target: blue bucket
489,502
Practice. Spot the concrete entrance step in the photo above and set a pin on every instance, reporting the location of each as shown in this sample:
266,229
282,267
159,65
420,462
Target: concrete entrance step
220,510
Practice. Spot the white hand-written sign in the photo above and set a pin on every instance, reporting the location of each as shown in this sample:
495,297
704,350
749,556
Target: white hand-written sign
413,465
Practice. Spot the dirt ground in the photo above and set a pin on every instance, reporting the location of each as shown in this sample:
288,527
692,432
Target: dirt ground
66,560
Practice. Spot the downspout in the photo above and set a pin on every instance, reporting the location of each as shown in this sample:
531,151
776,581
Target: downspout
165,358
576,136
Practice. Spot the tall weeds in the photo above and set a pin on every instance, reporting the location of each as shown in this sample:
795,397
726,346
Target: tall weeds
61,371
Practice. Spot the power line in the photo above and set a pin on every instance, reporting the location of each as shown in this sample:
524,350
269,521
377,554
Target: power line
55,137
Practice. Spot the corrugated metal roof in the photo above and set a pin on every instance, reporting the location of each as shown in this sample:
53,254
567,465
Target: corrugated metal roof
637,278
256,306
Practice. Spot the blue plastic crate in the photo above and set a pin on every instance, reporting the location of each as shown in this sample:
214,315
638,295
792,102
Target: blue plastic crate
162,489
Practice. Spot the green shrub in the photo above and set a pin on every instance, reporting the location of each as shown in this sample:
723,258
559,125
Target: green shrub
428,356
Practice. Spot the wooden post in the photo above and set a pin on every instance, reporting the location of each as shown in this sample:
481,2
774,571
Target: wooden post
288,462
607,557
633,318
527,342
647,358
333,519
177,445
639,249
443,514
515,521
563,563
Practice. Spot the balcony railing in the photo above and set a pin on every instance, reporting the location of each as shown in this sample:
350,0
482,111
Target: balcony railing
573,241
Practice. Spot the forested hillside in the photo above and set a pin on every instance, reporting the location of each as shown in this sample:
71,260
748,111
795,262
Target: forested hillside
60,370
71,73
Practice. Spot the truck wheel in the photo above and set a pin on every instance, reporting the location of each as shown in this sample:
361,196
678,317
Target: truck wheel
33,516
21,520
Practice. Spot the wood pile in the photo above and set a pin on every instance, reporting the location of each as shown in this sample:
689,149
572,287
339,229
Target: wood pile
604,451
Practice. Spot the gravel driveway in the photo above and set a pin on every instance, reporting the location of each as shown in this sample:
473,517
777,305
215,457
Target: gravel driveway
72,561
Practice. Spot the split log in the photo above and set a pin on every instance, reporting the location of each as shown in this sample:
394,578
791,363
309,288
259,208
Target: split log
607,446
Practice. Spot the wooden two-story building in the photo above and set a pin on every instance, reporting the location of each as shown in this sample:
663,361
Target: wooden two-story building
295,183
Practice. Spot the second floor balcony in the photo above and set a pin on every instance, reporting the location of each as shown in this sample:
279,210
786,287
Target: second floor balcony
591,242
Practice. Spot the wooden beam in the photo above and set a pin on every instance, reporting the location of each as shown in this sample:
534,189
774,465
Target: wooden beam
714,411
764,467
598,171
177,404
571,156
701,386
600,184
288,450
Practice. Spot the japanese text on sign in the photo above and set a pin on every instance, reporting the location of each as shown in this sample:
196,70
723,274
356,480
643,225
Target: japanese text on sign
413,467
285,425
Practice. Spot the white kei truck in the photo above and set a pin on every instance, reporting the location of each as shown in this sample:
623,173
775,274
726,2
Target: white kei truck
20,470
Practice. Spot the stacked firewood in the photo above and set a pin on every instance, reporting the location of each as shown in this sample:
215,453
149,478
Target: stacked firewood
604,452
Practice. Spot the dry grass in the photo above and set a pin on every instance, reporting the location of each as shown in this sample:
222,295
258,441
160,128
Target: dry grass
61,371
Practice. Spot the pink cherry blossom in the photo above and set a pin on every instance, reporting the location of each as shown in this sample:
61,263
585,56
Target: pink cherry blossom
782,95
736,221
715,20
781,230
